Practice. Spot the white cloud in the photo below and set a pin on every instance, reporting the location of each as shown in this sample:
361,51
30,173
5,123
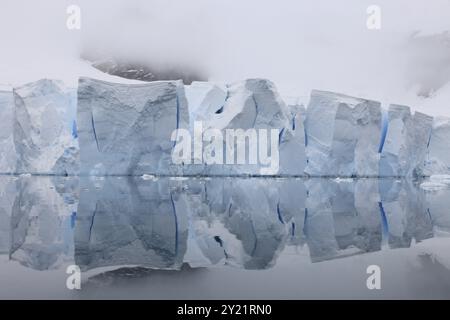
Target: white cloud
299,44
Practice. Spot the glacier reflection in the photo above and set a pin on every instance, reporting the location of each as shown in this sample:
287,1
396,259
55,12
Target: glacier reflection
165,223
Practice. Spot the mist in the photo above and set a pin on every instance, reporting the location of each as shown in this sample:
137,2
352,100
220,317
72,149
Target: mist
299,44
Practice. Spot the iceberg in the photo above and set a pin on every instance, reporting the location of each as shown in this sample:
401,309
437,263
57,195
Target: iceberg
438,157
42,126
7,149
126,129
343,135
405,147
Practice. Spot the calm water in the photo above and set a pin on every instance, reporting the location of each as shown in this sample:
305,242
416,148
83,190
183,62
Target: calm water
172,238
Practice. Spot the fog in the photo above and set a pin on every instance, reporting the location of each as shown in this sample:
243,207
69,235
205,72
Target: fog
298,44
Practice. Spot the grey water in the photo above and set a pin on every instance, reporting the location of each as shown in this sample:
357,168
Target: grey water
222,238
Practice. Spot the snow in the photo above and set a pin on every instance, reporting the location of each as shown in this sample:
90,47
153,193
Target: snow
436,182
343,135
433,186
149,177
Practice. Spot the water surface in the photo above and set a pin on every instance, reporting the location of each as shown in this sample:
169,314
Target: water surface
230,238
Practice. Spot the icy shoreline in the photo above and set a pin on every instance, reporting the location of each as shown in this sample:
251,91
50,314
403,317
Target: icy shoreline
108,129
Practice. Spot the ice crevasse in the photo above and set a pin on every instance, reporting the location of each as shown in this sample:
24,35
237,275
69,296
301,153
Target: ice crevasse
105,128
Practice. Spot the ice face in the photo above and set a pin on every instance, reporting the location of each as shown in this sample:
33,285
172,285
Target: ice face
8,154
438,158
251,104
405,146
343,135
129,221
126,129
204,99
42,126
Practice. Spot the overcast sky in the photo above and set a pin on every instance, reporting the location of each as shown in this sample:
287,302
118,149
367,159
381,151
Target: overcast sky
299,44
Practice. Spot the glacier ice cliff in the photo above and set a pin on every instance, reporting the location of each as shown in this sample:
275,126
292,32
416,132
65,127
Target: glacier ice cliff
105,128
343,135
250,104
7,149
126,129
438,156
405,148
43,117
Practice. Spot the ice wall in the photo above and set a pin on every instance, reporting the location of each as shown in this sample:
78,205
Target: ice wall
343,135
8,156
126,129
42,129
438,157
250,104
405,148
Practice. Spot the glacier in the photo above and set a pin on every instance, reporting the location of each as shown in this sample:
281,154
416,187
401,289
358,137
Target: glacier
42,128
249,104
343,135
405,148
8,153
438,156
105,128
126,129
